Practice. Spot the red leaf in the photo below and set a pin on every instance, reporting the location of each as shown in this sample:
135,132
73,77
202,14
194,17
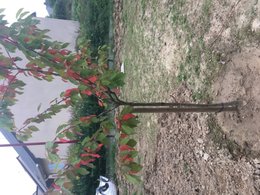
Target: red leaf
100,103
3,88
123,135
98,93
64,52
57,59
86,92
86,118
77,57
63,140
69,91
72,74
10,77
26,39
99,147
56,186
128,116
92,79
116,91
84,162
92,155
52,51
127,158
125,147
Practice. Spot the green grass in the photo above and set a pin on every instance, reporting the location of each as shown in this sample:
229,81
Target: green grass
192,34
148,78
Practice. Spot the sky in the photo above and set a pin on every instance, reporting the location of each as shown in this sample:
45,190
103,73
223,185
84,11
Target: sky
13,179
12,6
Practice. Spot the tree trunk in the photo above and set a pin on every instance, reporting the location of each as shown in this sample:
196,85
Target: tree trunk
179,107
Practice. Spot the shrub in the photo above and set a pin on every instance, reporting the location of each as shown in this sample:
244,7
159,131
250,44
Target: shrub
93,16
62,9
87,184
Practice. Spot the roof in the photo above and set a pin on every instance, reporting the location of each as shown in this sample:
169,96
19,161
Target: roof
27,160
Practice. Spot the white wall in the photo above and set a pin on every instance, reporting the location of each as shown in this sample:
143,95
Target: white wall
36,92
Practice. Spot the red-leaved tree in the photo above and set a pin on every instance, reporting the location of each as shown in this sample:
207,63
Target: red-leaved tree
48,59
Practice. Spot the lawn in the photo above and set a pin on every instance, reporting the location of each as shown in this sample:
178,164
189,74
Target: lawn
161,50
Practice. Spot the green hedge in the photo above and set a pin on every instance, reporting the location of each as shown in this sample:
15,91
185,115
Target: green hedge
61,8
93,16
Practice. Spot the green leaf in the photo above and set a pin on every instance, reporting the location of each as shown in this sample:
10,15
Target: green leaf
82,87
135,167
128,130
124,141
53,157
82,171
6,123
85,140
107,124
22,137
61,127
95,120
131,143
33,128
70,135
133,179
59,181
49,145
23,14
133,153
101,136
90,165
18,13
132,122
126,110
64,45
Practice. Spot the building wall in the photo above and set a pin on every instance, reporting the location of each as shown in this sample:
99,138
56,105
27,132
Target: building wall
43,92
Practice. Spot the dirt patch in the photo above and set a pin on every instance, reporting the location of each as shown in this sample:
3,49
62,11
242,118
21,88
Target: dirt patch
194,41
188,162
241,80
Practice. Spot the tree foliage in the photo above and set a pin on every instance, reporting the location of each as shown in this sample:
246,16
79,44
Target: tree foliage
47,60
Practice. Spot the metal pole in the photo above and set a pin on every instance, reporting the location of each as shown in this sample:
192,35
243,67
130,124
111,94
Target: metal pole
37,143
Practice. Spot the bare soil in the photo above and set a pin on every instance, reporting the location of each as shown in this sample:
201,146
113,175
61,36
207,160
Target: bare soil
206,153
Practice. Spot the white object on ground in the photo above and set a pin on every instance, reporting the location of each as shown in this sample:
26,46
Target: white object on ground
106,187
